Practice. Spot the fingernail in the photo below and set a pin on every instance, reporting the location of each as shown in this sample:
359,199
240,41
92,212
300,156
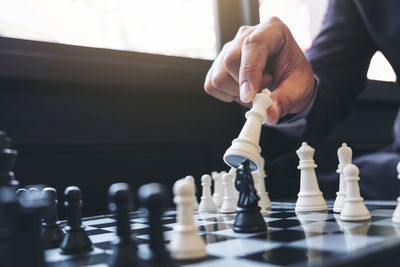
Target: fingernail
245,92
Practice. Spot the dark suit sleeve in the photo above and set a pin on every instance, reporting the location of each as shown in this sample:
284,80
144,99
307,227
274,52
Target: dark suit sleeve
340,57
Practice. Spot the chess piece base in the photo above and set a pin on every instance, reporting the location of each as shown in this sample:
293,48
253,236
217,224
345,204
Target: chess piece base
76,241
249,221
354,210
124,253
52,236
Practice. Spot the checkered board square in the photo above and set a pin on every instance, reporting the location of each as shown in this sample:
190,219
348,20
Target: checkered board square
300,239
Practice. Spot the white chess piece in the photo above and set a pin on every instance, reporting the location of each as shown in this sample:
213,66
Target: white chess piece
206,204
185,241
218,195
232,172
229,204
396,213
246,146
261,186
310,197
190,178
353,208
344,155
256,181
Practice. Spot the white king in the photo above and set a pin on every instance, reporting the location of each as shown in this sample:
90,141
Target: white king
246,146
310,197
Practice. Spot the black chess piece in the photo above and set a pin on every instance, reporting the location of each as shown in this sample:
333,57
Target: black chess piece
153,198
52,233
124,246
21,192
248,216
7,160
76,240
27,249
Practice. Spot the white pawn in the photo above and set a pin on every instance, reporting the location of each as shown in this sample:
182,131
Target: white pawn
206,204
396,213
190,178
218,195
232,172
229,204
344,155
185,241
353,208
310,197
261,186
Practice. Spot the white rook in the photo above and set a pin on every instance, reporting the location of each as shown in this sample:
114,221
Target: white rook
246,146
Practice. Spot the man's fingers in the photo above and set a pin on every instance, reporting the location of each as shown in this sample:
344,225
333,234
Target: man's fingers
211,90
232,55
255,51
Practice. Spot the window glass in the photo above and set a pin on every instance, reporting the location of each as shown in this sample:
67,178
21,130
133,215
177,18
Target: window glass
168,27
304,19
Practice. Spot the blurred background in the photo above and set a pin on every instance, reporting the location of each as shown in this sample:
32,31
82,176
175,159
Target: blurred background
98,91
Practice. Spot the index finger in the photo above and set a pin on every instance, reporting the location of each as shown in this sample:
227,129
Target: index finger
256,48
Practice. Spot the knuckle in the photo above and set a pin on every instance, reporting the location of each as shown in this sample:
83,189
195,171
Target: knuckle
231,59
274,20
253,40
208,88
218,81
243,29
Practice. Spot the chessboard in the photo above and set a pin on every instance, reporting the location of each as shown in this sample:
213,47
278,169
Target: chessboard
292,239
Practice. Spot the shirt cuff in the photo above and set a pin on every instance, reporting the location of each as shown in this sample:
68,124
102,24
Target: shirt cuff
297,123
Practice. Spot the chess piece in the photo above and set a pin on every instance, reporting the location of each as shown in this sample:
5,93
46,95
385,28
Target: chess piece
353,208
52,234
153,197
248,217
218,196
344,155
396,213
7,161
246,146
26,219
232,172
256,181
206,204
310,197
76,239
124,247
185,242
195,203
229,203
260,186
21,192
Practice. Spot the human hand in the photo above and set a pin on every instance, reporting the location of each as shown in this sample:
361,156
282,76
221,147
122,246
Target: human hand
263,56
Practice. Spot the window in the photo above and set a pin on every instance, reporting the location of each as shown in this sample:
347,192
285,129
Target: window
304,19
173,27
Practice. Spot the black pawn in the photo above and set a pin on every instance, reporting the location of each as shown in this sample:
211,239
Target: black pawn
21,192
7,160
76,240
248,217
52,234
124,246
153,198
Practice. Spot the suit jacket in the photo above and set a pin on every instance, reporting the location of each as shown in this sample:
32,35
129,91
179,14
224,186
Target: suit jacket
352,31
